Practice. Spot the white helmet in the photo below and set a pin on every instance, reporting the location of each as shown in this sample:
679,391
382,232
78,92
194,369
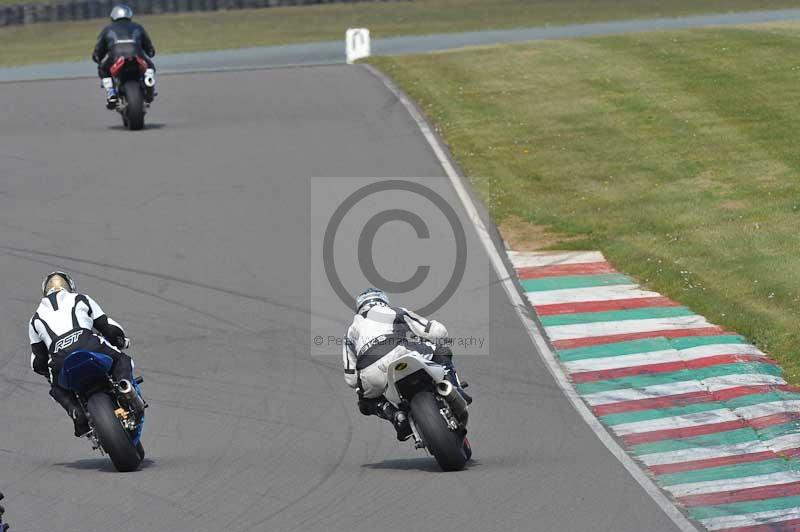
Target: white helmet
56,281
373,296
121,11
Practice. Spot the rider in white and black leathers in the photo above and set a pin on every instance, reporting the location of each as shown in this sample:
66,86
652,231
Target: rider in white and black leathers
381,334
64,323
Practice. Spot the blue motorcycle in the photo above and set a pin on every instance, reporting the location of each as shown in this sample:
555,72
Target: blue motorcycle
115,410
3,526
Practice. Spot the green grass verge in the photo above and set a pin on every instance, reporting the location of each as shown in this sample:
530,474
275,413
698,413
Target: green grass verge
673,153
262,27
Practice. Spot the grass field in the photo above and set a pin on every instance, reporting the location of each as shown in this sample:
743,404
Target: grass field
676,154
237,29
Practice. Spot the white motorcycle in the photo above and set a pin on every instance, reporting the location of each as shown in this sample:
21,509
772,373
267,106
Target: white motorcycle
437,411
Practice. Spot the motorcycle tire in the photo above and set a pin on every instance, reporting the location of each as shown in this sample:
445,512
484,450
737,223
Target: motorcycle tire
444,444
135,106
112,435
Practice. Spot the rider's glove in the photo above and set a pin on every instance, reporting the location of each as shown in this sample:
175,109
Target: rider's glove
40,366
121,342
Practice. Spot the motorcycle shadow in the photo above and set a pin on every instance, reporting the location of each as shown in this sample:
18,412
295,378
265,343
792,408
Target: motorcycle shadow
102,465
120,127
411,464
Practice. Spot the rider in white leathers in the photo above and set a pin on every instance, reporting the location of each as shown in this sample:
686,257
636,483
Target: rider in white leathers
64,322
379,335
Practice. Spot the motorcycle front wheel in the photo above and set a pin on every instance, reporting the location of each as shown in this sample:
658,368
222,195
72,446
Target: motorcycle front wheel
444,444
112,435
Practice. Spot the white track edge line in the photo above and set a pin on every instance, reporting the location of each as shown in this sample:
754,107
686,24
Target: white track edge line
530,325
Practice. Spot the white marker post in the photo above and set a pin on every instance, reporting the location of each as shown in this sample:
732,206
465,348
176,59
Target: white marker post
356,44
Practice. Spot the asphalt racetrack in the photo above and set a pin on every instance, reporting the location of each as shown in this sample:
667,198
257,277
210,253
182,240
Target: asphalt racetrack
197,234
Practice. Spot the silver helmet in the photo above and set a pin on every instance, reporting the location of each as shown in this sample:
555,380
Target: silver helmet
121,11
372,297
57,281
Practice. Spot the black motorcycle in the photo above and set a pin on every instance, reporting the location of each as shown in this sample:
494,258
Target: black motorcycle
135,90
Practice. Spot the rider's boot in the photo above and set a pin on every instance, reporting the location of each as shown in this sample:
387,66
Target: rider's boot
452,376
111,93
81,424
385,410
122,368
399,419
67,400
444,356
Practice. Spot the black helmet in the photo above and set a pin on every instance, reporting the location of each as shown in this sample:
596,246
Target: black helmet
121,11
57,281
371,295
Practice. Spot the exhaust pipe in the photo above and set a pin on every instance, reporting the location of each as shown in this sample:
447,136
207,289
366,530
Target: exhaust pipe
150,77
454,399
130,394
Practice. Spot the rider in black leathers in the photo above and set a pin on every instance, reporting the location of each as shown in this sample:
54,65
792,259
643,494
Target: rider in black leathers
121,38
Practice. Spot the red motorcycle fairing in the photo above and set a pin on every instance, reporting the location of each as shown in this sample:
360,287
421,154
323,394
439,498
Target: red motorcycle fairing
117,66
120,62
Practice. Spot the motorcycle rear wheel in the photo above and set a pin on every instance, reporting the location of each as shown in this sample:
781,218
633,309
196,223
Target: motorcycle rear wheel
444,444
135,105
112,435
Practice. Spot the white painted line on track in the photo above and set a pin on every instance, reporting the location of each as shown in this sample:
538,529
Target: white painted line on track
660,357
767,409
732,484
583,295
526,260
531,326
698,419
703,351
608,328
776,445
704,453
623,361
754,519
713,384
